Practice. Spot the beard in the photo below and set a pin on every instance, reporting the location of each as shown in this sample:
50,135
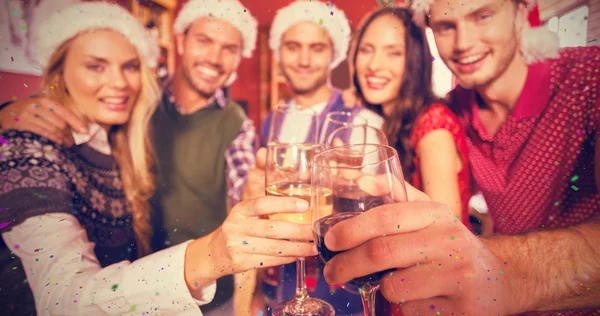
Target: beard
201,89
507,55
300,89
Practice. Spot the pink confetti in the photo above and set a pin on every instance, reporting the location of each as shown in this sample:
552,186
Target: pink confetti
4,225
4,141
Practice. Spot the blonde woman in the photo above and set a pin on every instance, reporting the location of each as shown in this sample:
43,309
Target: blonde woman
74,219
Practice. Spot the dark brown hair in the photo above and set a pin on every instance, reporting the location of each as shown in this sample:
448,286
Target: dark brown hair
415,94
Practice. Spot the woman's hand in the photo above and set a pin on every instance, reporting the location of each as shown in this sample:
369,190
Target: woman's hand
245,241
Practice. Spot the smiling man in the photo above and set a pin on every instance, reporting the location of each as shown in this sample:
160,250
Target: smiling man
532,114
309,39
205,144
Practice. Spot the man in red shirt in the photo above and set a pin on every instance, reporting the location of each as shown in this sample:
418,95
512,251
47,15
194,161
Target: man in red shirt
532,115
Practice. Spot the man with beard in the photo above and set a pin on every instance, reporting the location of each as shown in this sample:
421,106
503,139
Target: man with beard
532,114
309,39
205,145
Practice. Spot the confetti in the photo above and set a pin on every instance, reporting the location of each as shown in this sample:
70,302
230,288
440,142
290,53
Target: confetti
4,225
574,178
115,287
4,141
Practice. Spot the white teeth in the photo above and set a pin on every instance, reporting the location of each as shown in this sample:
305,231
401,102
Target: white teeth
114,100
379,82
208,71
470,59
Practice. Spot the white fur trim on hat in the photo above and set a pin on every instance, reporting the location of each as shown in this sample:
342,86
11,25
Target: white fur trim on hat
538,44
231,11
56,22
332,19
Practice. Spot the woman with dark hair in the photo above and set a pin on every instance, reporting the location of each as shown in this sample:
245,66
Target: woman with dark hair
393,76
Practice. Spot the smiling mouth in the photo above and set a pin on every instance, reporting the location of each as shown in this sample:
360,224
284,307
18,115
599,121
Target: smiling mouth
115,103
374,82
470,59
208,72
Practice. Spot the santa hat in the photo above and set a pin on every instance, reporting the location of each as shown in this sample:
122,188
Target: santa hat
328,16
231,11
57,21
537,42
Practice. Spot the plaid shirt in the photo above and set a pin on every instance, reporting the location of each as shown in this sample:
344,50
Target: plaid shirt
240,156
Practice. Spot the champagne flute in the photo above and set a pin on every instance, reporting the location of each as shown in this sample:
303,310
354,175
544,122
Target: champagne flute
337,119
350,180
355,135
291,146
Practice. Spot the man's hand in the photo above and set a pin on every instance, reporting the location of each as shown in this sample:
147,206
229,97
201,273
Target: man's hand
44,117
441,265
255,183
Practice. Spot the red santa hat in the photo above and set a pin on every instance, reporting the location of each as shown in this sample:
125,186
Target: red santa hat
537,42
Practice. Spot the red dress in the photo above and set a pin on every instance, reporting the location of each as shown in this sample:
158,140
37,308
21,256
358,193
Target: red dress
439,116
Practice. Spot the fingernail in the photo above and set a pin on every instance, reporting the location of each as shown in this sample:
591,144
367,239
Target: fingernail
301,205
329,240
327,274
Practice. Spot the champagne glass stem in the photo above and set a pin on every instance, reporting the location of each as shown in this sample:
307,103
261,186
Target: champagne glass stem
301,292
368,293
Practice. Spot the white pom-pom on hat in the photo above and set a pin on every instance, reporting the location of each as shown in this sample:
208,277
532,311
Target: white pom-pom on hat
57,21
231,11
537,42
332,19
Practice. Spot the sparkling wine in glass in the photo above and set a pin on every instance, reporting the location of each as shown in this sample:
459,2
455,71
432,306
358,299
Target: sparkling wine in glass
291,147
360,178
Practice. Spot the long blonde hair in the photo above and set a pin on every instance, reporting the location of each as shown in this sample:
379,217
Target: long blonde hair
130,143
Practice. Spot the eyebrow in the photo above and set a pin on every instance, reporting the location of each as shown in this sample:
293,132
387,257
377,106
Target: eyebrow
302,43
450,19
389,46
105,61
206,36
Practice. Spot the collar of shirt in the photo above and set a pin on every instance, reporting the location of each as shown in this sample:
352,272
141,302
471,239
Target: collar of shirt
219,97
318,108
96,138
533,99
324,107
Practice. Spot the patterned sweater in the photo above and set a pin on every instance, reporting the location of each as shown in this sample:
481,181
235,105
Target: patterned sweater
38,177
